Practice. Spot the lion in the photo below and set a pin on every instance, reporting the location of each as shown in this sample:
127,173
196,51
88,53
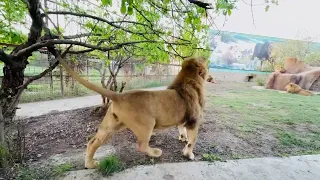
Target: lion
296,89
279,69
293,66
211,79
181,104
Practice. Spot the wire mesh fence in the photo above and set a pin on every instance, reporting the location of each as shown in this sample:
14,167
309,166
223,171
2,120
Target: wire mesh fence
58,84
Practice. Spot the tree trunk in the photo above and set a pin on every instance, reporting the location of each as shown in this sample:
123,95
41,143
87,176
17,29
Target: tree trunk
12,80
13,71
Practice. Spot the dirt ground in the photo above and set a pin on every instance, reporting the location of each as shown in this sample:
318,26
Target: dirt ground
66,131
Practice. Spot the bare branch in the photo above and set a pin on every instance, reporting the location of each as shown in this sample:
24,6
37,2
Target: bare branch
252,15
117,46
102,20
52,42
80,36
7,44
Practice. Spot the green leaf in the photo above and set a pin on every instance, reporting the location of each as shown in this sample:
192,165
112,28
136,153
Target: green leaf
188,20
123,9
267,8
130,10
229,12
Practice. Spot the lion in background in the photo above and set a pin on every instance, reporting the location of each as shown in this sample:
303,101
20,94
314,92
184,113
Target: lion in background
297,72
296,89
212,80
181,104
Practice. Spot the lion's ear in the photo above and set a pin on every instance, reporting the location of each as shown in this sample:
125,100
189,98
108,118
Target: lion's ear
202,60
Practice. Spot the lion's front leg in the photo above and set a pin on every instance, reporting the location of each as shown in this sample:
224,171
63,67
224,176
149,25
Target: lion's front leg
92,147
109,126
192,139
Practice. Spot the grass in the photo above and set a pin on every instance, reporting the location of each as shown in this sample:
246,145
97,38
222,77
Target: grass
110,165
211,157
4,156
40,173
292,119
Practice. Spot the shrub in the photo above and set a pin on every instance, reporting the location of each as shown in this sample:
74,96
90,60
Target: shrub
110,165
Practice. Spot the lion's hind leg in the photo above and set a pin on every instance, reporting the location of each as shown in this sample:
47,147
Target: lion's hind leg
109,126
143,133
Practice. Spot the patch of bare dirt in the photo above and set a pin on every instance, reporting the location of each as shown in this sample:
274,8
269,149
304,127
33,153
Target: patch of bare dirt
66,131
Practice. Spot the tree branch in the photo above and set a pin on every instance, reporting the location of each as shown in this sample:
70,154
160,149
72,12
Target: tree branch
76,36
53,42
30,80
45,43
101,19
5,57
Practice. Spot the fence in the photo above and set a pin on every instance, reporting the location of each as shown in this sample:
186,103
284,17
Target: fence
59,84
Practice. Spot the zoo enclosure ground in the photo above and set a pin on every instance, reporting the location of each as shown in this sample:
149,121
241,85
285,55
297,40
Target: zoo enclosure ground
240,122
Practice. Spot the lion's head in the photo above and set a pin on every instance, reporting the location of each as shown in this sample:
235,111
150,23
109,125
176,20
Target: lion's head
195,66
293,88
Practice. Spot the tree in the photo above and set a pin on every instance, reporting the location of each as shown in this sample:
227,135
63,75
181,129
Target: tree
305,50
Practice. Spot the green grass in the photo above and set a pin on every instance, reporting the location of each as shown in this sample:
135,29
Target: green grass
292,119
41,173
211,157
110,165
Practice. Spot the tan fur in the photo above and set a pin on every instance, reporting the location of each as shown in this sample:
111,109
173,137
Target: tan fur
297,72
279,69
296,89
293,66
211,79
143,111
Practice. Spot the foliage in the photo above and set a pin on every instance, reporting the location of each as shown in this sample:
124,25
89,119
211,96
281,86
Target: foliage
211,157
12,14
110,165
260,81
45,172
303,50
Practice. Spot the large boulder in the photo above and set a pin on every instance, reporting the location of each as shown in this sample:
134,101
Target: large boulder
295,71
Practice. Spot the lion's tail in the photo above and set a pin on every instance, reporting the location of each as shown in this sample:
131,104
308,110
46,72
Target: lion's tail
104,92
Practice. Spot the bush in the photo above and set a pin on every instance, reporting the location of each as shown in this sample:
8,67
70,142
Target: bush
110,165
303,50
260,82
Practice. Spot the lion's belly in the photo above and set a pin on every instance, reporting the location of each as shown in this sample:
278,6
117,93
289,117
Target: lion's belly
166,107
170,111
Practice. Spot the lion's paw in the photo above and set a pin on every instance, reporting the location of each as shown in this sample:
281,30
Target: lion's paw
156,152
92,164
187,153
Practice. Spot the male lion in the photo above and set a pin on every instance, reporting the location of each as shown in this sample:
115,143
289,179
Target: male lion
180,105
296,89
